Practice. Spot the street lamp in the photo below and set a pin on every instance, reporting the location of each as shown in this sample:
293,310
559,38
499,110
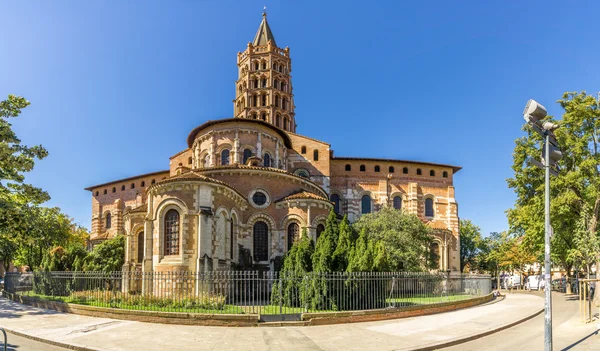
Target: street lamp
533,114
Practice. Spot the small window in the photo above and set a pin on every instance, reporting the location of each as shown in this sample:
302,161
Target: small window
301,172
132,185
391,169
97,193
362,168
348,168
123,187
397,202
114,189
320,229
445,174
189,160
419,171
405,170
432,173
303,150
335,198
247,154
143,183
293,234
171,233
429,207
225,157
365,204
316,155
267,160
259,198
105,191
108,221
153,181
377,169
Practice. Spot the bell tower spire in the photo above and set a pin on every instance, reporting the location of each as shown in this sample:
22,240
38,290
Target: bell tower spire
264,85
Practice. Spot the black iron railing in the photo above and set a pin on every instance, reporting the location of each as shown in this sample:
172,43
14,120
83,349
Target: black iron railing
248,292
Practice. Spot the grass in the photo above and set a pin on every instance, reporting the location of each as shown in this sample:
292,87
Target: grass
427,299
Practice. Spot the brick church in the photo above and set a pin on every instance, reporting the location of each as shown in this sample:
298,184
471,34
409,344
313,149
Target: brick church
246,187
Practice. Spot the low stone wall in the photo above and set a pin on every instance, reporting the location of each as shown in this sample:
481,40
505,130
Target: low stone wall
231,320
247,320
404,312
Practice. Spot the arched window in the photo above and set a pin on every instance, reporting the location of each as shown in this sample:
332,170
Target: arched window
98,193
303,150
278,121
365,204
445,174
377,169
301,172
264,65
114,189
316,155
152,182
261,241
263,101
405,170
335,198
320,229
108,221
255,100
286,122
247,154
143,183
362,168
105,191
293,234
171,232
206,162
284,104
231,236
277,99
391,169
264,82
132,185
225,157
429,207
267,160
432,173
256,66
189,160
140,248
348,168
419,171
263,116
397,202
222,236
434,254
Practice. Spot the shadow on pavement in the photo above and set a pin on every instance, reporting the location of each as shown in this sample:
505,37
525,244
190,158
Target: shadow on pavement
580,341
9,309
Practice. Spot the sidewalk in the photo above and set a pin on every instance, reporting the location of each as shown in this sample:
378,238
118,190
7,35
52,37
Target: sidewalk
80,332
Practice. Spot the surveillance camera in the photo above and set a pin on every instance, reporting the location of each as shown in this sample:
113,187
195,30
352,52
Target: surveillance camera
535,110
549,126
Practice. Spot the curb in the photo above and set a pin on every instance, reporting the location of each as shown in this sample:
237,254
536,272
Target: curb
462,340
49,342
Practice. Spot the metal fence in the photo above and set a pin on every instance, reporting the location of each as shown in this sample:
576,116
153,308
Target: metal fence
238,292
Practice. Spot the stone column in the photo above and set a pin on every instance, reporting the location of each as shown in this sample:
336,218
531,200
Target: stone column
277,154
259,145
197,161
236,148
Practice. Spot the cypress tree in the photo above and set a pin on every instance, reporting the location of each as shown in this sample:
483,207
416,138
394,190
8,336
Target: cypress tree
345,243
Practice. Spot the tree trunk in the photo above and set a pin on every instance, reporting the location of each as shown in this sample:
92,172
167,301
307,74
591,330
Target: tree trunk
593,231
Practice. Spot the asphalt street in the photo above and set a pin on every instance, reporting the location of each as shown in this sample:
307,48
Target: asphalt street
568,332
17,343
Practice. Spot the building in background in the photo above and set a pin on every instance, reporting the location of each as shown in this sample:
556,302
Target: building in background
247,187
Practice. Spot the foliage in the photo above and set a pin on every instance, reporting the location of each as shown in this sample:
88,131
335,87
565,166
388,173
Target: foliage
108,256
471,245
322,260
344,246
397,241
576,188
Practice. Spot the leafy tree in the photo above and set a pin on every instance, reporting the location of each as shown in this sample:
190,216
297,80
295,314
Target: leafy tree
109,256
322,260
471,244
361,255
576,188
344,245
397,241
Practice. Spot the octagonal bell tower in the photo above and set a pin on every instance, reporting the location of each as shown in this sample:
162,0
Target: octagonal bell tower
264,85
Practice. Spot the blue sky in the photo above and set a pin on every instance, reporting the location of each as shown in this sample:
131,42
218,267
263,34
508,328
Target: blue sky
116,86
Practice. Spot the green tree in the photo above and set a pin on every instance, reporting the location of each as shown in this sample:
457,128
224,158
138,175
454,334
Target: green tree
397,241
361,255
109,256
345,243
576,187
322,260
471,243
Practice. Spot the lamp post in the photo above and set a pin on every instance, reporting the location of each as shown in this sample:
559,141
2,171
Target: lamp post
533,114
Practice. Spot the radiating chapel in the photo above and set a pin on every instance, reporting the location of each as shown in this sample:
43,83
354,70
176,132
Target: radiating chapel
247,187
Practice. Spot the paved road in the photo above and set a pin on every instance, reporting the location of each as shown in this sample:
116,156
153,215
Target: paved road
568,332
17,343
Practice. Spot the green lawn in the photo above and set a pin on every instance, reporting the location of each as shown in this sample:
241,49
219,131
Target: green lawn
426,300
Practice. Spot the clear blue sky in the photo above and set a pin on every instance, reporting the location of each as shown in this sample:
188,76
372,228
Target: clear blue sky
116,86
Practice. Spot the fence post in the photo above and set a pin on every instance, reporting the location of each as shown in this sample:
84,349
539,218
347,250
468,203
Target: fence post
281,297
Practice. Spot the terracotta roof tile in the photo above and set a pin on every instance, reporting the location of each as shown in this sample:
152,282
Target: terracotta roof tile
302,195
139,209
193,175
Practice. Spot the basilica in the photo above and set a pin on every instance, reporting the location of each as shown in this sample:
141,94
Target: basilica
247,187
